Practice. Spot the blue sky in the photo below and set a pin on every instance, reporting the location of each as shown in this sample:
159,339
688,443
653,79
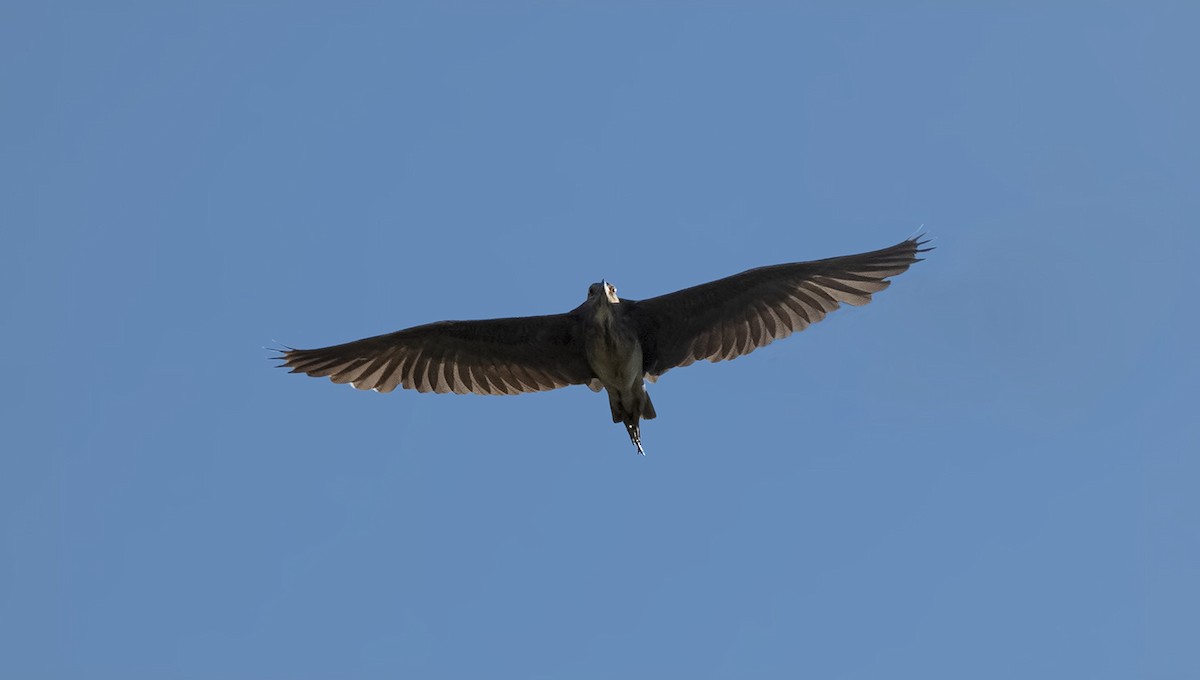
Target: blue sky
989,472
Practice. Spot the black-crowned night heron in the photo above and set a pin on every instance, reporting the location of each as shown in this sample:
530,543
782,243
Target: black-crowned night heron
607,342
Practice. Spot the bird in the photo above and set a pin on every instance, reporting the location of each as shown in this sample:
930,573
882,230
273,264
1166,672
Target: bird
607,342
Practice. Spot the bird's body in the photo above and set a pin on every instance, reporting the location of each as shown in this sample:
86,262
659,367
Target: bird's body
608,343
614,352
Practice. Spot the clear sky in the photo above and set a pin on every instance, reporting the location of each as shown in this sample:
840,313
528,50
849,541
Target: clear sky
989,472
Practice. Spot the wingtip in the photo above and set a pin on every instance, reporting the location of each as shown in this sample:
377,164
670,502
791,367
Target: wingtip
281,352
919,239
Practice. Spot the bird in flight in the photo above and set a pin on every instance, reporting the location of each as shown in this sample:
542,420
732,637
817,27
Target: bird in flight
609,343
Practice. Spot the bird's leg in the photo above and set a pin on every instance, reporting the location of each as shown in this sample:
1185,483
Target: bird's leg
635,436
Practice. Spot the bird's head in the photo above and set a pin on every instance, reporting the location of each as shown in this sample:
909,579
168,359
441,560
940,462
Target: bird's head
603,291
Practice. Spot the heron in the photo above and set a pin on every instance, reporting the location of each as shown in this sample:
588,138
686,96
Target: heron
608,343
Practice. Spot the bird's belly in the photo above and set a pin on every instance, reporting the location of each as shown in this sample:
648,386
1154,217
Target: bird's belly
618,365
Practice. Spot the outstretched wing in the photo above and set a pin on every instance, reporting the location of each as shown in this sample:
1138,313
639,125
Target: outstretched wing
738,314
494,356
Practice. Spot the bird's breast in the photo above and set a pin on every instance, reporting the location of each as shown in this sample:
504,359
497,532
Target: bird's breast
613,350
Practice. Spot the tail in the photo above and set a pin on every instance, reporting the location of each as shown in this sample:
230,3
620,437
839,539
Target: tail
630,411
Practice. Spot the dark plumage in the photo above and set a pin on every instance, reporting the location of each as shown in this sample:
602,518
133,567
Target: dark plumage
607,342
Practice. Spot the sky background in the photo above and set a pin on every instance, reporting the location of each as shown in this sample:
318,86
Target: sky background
989,472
